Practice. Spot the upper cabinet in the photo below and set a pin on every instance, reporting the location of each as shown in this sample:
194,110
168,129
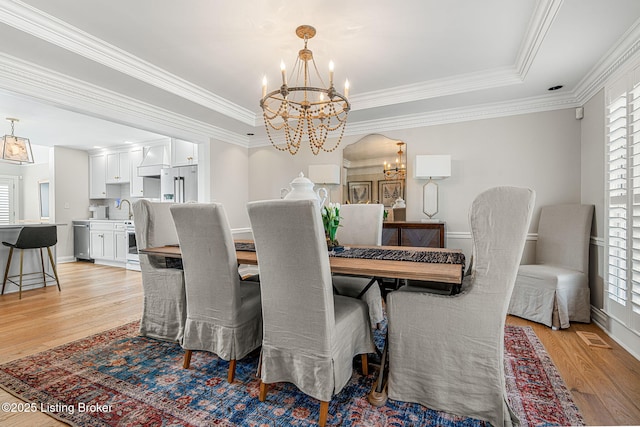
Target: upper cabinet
183,153
97,176
136,185
118,170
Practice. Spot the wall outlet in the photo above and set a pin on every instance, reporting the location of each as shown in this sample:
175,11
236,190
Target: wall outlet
66,205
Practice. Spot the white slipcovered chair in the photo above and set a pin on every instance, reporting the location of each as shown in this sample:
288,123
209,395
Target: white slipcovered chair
447,352
361,225
310,334
164,307
223,316
555,290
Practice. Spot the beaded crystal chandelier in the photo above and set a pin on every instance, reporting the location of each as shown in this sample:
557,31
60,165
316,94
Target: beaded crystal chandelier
291,112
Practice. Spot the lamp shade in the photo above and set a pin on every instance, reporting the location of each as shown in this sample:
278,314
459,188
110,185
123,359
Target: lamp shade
324,174
432,166
16,149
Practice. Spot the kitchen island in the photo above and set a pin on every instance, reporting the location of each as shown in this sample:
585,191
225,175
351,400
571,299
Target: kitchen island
9,233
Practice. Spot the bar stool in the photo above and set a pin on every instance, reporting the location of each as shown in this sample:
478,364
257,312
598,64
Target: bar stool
32,237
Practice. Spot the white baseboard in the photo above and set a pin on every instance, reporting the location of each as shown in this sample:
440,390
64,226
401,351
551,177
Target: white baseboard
627,339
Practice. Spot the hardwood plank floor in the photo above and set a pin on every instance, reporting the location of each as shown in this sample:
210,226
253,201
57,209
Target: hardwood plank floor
605,383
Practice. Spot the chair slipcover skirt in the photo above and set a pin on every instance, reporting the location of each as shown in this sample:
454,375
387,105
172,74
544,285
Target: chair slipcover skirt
164,306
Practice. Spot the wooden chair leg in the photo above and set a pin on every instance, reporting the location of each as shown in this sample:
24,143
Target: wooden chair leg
365,364
44,276
21,264
259,372
264,388
187,359
232,371
324,412
6,270
55,269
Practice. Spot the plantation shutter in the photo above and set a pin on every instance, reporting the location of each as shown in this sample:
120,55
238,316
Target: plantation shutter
623,200
7,215
634,141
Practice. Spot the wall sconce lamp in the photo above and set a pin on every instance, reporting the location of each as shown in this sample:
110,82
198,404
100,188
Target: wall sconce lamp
325,175
431,168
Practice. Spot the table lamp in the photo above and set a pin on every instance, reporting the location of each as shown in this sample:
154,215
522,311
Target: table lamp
325,175
431,168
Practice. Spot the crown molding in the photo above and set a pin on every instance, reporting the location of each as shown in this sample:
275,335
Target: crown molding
435,88
541,21
616,60
455,115
543,16
463,114
57,89
53,30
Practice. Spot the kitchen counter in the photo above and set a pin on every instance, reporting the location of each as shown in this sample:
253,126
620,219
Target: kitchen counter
25,224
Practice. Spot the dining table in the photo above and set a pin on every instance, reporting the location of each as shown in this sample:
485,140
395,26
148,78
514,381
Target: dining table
447,269
418,264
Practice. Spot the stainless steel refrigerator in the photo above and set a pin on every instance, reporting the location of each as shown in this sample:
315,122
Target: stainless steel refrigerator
179,184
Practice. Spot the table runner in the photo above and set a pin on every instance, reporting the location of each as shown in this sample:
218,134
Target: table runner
431,256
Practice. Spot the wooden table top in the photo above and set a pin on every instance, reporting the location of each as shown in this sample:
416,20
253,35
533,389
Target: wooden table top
447,273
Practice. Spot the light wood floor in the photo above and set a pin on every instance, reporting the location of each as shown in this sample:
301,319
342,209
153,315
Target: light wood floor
605,383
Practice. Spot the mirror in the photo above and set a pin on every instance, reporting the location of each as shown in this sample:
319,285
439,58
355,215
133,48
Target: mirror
374,171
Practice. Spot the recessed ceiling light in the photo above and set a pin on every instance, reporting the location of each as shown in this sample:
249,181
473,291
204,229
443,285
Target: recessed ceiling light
552,88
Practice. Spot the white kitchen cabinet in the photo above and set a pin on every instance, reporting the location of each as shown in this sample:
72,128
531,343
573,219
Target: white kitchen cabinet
183,153
136,183
121,243
97,177
118,169
109,242
102,245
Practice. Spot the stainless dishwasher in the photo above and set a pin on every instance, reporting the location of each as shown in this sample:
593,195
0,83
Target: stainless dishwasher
81,240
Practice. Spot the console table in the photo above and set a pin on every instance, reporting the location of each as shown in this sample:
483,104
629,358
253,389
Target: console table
406,233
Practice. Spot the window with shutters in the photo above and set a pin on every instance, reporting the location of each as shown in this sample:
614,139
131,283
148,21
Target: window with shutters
7,200
623,200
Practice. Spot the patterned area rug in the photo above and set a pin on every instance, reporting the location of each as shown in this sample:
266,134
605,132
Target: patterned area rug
117,378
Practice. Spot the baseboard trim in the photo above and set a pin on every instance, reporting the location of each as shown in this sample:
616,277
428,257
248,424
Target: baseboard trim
627,339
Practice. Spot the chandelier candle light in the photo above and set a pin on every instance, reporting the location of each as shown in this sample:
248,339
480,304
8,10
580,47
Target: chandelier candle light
399,170
15,148
291,112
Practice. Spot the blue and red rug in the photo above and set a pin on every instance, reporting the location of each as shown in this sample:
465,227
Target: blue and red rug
117,378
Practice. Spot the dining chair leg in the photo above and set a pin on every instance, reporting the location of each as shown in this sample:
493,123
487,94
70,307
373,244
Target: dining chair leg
324,412
55,269
21,264
365,364
6,270
44,276
187,359
232,371
259,370
264,388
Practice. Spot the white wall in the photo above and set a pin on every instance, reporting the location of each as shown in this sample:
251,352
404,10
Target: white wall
540,151
229,180
70,180
592,189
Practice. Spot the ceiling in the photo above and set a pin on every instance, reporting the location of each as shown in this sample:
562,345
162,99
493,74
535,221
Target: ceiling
102,72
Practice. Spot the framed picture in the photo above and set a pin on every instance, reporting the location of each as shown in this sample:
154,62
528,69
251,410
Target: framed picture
359,192
389,191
